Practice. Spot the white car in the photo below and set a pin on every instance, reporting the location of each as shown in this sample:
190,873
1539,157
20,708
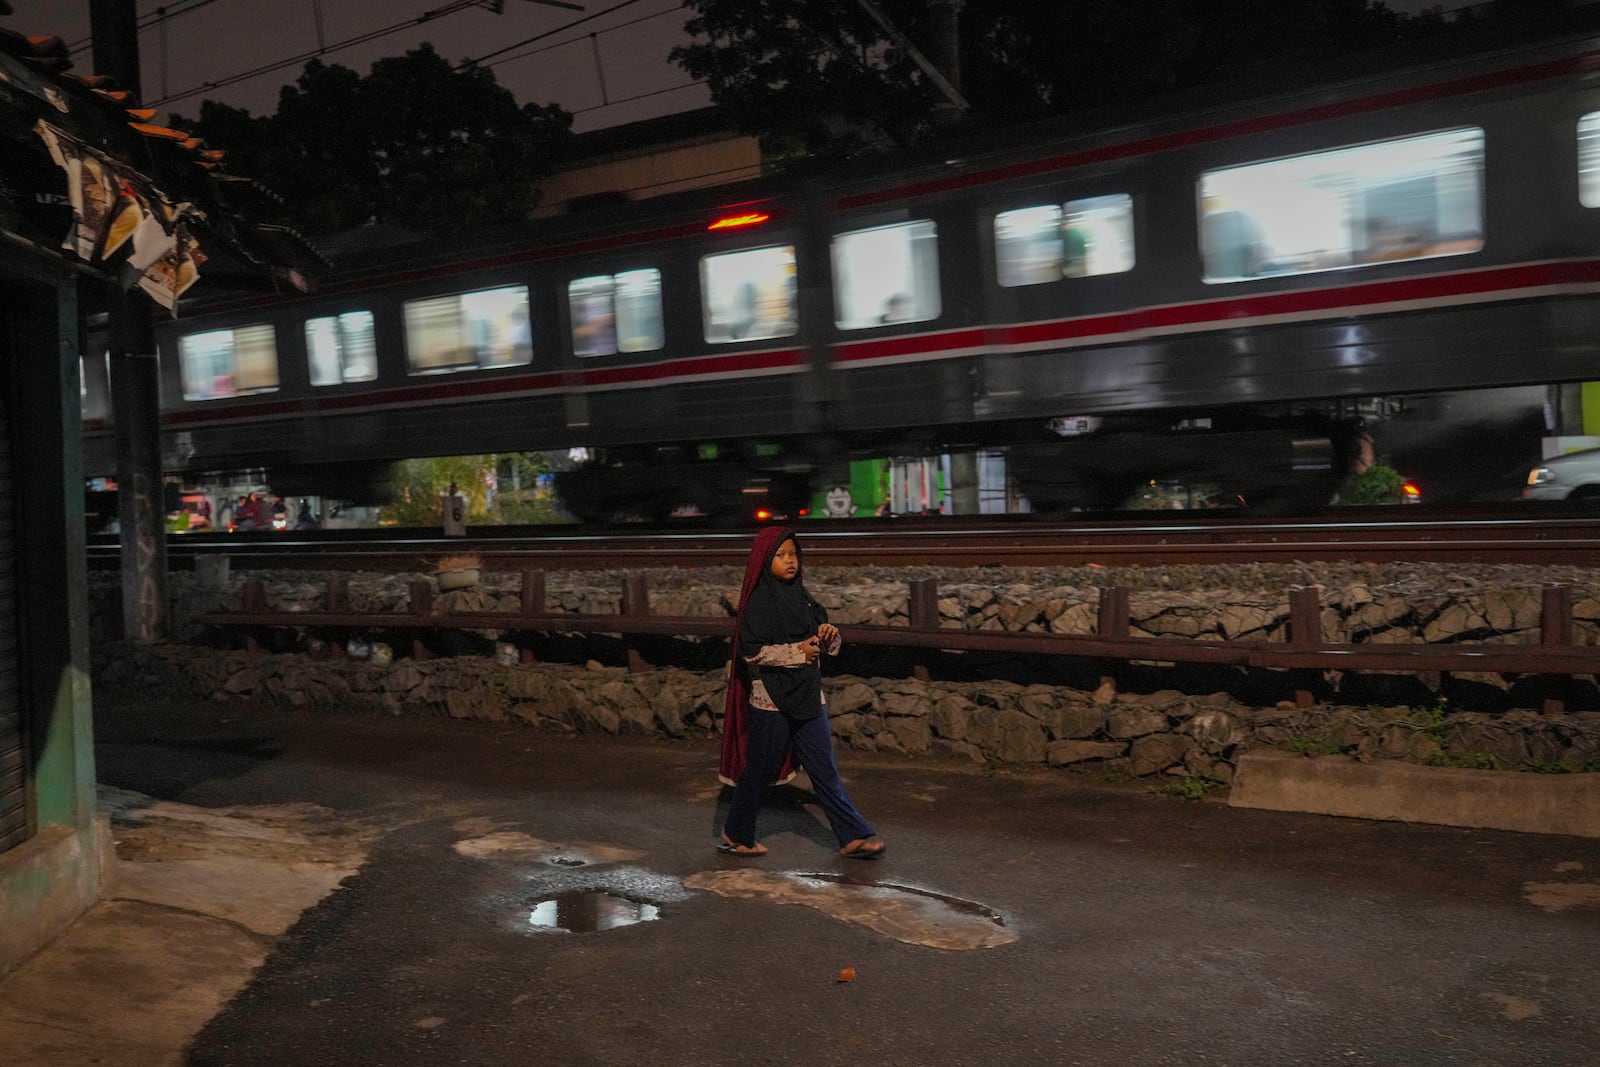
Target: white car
1574,476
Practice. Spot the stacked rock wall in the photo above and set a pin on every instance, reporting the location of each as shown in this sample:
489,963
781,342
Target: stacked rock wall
992,718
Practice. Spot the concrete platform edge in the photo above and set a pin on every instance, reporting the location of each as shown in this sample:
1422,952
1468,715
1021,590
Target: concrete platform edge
48,882
1406,792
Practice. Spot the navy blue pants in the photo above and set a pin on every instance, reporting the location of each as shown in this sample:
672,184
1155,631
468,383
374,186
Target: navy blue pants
770,733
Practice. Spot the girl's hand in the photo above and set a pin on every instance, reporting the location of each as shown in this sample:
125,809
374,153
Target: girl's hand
827,633
811,649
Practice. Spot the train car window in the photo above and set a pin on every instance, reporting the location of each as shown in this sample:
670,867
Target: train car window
1589,159
1409,198
616,313
232,362
1078,239
341,348
469,331
749,295
885,275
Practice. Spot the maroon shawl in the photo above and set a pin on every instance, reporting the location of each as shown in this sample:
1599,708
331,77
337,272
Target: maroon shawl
736,710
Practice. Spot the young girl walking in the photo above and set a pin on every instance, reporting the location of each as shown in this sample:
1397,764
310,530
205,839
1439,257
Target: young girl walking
776,711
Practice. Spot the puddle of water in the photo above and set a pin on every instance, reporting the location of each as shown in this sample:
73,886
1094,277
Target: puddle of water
586,912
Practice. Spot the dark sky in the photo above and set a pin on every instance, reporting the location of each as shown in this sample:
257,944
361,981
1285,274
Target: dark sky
204,41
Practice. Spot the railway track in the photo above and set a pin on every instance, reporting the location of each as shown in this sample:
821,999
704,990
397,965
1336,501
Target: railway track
1379,535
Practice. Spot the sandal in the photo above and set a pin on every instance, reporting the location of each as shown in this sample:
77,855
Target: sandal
864,850
730,848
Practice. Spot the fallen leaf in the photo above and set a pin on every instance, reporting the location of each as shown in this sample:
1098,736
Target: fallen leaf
847,975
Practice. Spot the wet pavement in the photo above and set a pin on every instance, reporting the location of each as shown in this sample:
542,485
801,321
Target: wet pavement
519,897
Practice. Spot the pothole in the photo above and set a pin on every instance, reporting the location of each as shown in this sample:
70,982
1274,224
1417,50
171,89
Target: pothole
565,861
589,911
585,899
957,904
906,913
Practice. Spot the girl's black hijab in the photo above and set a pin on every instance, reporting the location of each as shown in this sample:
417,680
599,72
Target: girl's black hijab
779,612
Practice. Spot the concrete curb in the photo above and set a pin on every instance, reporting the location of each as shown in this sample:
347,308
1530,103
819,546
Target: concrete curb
1407,792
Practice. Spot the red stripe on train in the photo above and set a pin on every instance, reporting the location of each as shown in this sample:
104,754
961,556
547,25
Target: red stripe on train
1491,283
467,388
1487,284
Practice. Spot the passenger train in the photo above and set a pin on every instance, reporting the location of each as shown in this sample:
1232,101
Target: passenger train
1247,295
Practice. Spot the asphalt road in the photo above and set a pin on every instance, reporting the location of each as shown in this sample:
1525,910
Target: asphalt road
1147,929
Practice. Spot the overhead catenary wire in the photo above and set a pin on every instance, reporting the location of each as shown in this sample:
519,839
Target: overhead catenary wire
541,36
569,41
159,17
452,8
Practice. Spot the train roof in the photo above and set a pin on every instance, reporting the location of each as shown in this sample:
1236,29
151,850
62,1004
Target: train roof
969,155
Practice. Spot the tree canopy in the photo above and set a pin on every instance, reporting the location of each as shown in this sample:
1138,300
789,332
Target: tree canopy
416,143
821,76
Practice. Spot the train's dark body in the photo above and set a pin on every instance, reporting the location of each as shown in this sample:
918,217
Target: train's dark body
1244,379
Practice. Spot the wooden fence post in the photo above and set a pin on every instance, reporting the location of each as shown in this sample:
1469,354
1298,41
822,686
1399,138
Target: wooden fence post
1305,631
253,599
532,604
254,596
421,605
1112,625
533,592
922,611
1555,628
635,602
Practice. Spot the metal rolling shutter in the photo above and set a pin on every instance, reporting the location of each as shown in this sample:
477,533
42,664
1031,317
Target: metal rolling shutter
16,815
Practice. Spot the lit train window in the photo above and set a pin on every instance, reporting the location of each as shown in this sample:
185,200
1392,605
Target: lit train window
885,275
231,362
341,348
749,295
469,331
1078,239
1589,159
616,313
1410,198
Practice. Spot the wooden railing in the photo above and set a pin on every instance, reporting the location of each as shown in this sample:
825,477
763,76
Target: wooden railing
1303,650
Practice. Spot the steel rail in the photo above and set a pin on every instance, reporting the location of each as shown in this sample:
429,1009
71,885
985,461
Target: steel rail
1568,541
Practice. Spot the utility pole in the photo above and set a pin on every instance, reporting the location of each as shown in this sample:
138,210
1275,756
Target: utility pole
946,77
135,382
946,55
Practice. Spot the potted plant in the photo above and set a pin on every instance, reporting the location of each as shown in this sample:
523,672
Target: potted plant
458,572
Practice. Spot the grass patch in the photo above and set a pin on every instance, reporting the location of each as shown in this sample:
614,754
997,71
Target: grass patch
1476,761
1192,786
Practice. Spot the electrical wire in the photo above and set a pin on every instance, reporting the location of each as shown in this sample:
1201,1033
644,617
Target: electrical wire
452,8
640,96
158,17
576,40
541,36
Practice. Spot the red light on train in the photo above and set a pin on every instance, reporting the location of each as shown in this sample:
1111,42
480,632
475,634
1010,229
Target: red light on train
762,514
736,222
1411,493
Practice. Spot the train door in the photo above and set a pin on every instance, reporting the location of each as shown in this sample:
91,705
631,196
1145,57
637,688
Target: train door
16,809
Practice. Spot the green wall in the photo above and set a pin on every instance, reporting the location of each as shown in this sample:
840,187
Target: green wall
47,882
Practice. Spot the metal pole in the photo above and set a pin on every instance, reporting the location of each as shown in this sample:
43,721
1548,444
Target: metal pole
946,52
599,67
135,383
953,102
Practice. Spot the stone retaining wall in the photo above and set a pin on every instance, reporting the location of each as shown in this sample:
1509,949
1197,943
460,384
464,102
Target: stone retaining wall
1164,733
